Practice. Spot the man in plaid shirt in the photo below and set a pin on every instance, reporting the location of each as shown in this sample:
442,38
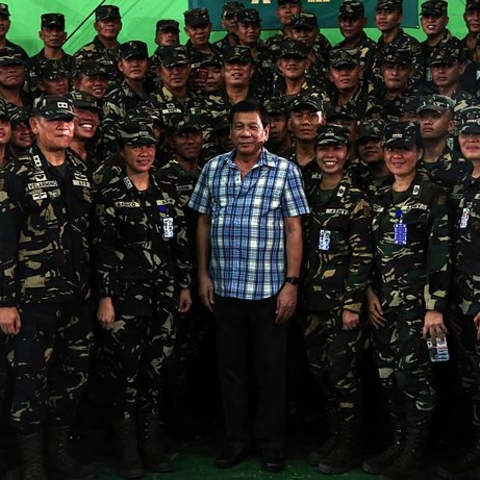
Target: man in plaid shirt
249,247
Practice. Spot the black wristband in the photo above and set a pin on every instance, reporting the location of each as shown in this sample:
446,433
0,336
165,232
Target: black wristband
293,280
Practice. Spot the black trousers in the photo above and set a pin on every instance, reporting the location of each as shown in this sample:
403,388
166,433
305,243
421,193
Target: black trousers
248,340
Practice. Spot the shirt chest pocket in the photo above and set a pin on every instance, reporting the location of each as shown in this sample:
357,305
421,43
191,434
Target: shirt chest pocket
43,213
416,221
132,225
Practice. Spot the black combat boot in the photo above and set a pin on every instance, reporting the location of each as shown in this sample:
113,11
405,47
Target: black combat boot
344,456
59,459
32,448
155,457
129,462
315,457
376,464
410,463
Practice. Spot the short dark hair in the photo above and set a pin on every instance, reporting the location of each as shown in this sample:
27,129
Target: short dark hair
250,106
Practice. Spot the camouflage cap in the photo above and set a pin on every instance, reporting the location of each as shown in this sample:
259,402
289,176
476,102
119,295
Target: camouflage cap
248,15
301,102
4,10
196,17
346,111
90,68
18,115
370,129
211,60
146,114
164,25
4,111
332,133
134,132
434,7
436,103
446,55
237,53
169,56
304,20
133,49
285,2
469,120
351,9
397,56
231,8
293,48
51,69
410,104
472,5
221,124
343,56
50,20
106,12
10,56
389,5
53,107
276,106
400,134
85,101
185,124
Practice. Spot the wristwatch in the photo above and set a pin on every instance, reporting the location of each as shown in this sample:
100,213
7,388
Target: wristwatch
293,280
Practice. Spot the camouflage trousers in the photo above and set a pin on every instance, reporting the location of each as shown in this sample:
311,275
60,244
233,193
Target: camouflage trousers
463,338
403,361
333,355
50,360
130,362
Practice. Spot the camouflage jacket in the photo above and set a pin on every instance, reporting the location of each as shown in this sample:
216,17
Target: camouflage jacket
418,271
365,106
44,225
337,251
465,291
140,249
373,187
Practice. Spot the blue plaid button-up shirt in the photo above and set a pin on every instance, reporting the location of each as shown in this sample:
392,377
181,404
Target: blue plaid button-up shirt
247,222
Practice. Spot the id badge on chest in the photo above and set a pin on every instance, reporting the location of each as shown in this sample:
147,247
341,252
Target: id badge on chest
400,233
464,218
324,239
168,227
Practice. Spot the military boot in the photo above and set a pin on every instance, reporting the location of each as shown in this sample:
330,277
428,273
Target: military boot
409,464
155,457
374,465
469,462
344,456
59,459
315,457
32,449
129,462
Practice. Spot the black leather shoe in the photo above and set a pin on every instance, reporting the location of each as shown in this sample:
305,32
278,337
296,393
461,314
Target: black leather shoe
231,455
273,459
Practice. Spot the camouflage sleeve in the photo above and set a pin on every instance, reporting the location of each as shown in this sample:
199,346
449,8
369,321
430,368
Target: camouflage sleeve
104,259
438,255
113,113
10,220
361,257
182,250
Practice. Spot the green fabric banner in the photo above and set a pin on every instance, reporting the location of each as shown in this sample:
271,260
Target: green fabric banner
326,11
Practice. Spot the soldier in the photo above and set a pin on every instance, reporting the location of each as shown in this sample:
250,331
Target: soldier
86,122
464,319
439,161
337,263
167,32
279,139
12,78
22,137
223,140
285,10
434,18
45,292
91,77
5,135
4,27
129,94
305,116
472,22
229,23
53,35
108,24
407,298
142,268
215,80
52,78
388,17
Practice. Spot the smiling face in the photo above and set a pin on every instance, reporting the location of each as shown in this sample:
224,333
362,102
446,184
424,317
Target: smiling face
138,158
86,123
472,20
402,160
331,157
248,133
95,85
470,145
370,149
187,144
293,67
238,73
5,131
434,25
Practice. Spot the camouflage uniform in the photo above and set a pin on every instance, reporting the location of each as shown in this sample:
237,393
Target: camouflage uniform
141,261
44,218
409,279
229,10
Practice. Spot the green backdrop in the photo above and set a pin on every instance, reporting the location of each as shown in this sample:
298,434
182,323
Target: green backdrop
139,19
